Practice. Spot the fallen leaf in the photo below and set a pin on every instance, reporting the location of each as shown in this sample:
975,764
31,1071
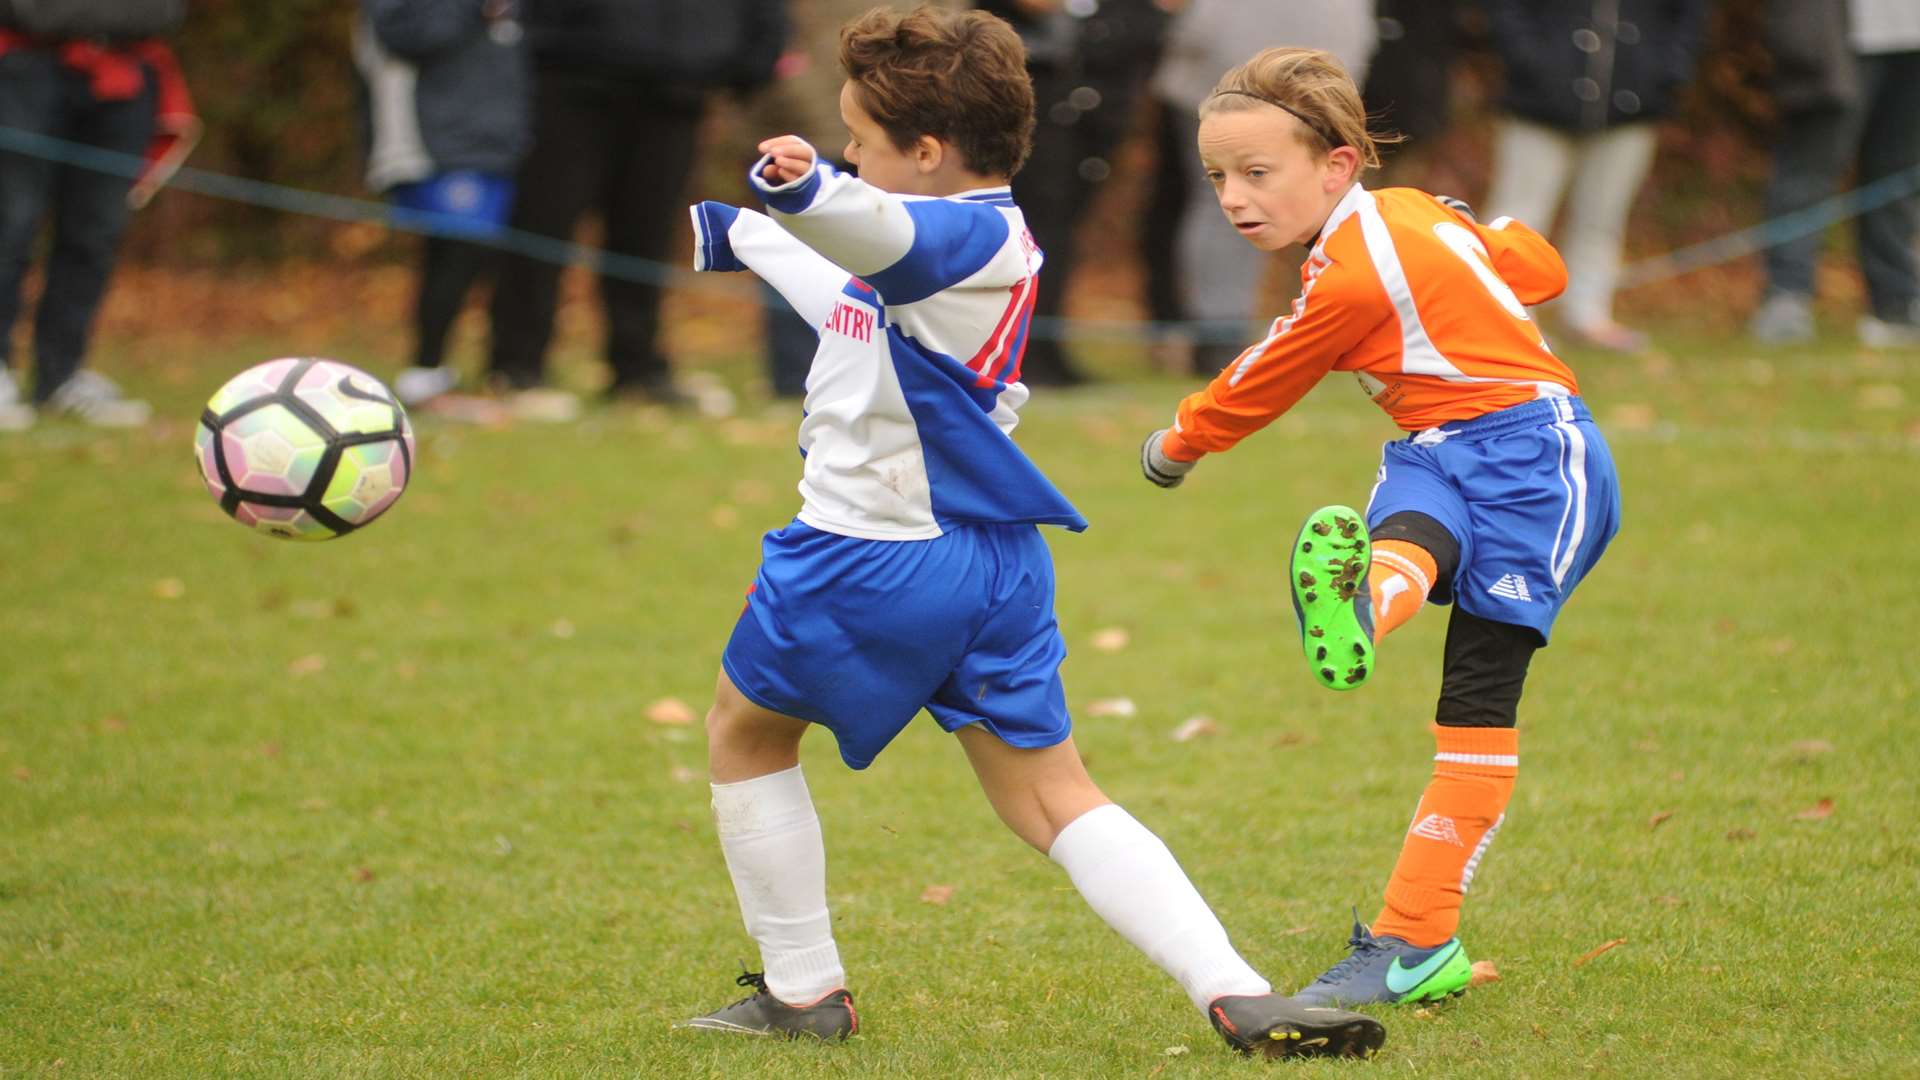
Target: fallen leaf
1424,1012
1659,818
561,628
270,749
1484,971
1738,835
21,772
1111,639
1780,646
724,517
169,588
362,874
936,894
1294,930
1194,727
1821,809
1174,1051
671,712
114,722
310,664
1669,900
683,775
1812,747
1113,706
1614,944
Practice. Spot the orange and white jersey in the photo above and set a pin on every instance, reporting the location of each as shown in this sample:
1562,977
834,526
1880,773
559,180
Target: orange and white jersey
1427,308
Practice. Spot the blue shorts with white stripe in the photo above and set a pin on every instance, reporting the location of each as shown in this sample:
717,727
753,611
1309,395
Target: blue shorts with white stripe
1530,494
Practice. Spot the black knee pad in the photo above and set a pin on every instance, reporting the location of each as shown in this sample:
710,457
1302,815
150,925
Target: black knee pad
1486,667
1429,535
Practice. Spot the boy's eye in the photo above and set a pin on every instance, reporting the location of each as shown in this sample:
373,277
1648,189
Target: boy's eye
1215,176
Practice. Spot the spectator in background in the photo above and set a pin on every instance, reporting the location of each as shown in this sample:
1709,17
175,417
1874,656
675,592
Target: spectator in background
620,87
1586,81
1198,267
448,121
1847,81
1089,60
1409,90
95,72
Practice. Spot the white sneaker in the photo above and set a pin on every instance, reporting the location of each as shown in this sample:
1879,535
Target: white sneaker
544,405
1784,318
92,398
1882,334
15,413
419,385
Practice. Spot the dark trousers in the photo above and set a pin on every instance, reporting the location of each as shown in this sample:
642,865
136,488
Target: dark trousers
625,150
448,269
88,209
1815,148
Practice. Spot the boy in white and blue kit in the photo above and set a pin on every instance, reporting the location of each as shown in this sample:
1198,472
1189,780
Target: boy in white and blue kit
914,576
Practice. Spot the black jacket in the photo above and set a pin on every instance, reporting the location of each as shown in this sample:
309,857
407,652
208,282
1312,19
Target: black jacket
1582,65
112,20
448,87
679,44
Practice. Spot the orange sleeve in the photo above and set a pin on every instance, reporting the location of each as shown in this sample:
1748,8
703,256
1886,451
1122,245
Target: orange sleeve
1336,309
1524,260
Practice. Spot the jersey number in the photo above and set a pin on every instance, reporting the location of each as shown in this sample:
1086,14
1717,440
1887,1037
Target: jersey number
1461,241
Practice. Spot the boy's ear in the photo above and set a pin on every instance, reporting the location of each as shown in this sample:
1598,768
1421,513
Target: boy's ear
928,154
1343,164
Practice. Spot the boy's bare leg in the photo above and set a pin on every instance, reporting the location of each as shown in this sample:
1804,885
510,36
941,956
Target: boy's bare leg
1036,792
745,740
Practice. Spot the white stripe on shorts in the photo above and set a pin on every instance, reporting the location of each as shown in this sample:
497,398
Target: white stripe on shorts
1573,473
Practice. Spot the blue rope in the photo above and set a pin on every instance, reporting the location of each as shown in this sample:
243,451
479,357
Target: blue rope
1723,249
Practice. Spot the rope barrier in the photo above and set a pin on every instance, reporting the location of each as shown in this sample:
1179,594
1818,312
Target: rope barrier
1694,257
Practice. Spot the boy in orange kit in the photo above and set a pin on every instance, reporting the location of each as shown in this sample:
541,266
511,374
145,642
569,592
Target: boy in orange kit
1499,501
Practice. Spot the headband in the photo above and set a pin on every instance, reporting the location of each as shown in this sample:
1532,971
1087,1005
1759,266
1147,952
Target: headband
1288,109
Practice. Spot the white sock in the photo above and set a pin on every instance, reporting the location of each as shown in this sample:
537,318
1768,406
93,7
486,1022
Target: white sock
778,861
1132,881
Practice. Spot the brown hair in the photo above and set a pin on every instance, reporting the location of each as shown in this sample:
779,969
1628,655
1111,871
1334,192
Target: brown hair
1310,84
960,76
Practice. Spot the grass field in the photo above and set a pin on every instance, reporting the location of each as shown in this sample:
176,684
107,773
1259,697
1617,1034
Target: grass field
393,805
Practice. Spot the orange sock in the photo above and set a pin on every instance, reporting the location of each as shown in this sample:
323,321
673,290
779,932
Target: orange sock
1402,577
1473,775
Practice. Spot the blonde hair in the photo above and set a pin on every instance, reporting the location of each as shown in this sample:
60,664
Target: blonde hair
1311,85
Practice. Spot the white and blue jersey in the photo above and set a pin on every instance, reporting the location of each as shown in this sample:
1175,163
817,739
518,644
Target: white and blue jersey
922,305
915,576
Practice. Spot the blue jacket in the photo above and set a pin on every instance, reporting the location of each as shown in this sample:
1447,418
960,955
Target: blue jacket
448,87
114,20
1582,65
686,45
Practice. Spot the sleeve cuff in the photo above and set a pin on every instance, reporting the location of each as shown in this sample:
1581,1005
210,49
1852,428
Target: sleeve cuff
1179,449
792,197
712,247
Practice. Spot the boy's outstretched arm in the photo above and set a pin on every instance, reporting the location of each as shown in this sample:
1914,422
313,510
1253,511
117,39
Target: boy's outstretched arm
730,238
906,248
1334,311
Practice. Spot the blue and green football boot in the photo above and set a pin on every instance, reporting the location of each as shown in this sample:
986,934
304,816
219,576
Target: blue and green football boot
1331,597
1388,971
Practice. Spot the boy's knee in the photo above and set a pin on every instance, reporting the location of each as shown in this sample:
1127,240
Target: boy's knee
1424,532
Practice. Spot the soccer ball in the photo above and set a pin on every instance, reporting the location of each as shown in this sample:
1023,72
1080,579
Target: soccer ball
304,449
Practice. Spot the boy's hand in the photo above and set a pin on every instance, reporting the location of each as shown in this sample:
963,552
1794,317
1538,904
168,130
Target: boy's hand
1158,467
792,159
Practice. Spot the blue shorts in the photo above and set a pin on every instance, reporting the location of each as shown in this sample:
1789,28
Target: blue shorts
859,635
1530,495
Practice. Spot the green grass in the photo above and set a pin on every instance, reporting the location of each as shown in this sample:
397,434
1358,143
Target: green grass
461,848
